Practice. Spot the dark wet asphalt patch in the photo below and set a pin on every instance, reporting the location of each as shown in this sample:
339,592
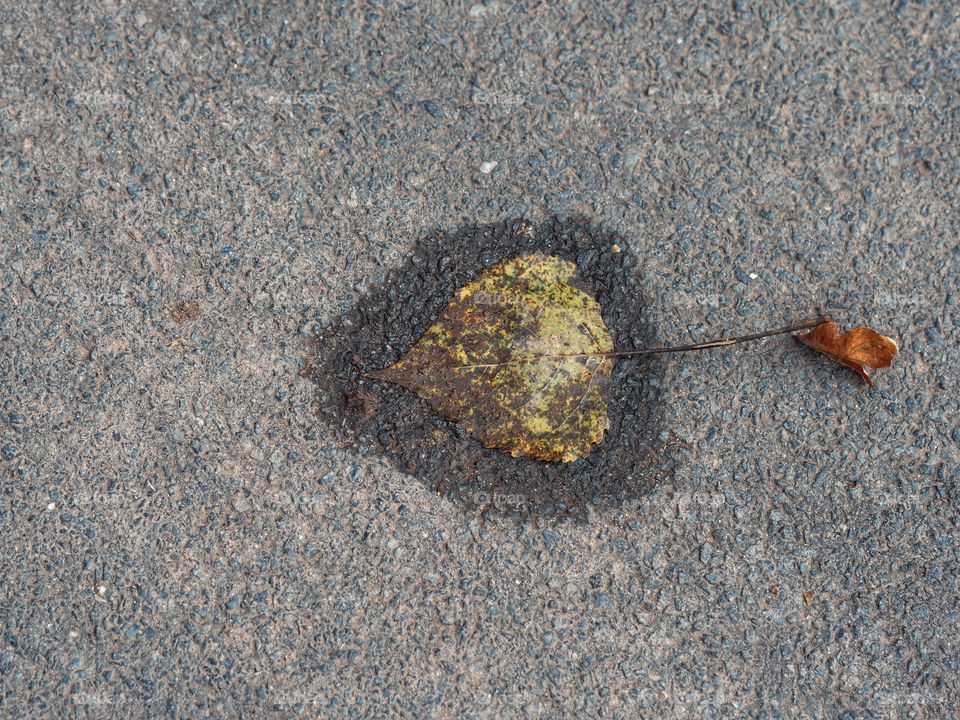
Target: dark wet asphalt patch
631,460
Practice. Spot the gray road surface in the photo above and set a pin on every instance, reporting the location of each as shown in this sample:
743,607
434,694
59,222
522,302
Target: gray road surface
189,191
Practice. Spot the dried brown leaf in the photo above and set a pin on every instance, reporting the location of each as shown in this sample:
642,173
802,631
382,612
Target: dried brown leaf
854,348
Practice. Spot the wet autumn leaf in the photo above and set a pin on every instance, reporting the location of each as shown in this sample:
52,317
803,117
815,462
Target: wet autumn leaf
516,359
521,359
854,348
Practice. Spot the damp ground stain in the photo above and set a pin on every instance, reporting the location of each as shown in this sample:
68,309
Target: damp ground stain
632,459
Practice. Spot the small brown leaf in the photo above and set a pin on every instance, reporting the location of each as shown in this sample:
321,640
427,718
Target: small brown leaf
854,348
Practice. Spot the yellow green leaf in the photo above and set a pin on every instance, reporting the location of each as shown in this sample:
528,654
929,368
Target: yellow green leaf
516,359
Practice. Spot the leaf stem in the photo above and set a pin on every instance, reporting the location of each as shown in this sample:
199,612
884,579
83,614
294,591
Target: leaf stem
723,342
716,343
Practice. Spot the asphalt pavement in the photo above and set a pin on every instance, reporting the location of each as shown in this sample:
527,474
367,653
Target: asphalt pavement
193,194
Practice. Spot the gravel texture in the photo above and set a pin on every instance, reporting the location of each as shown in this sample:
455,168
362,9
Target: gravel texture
191,194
